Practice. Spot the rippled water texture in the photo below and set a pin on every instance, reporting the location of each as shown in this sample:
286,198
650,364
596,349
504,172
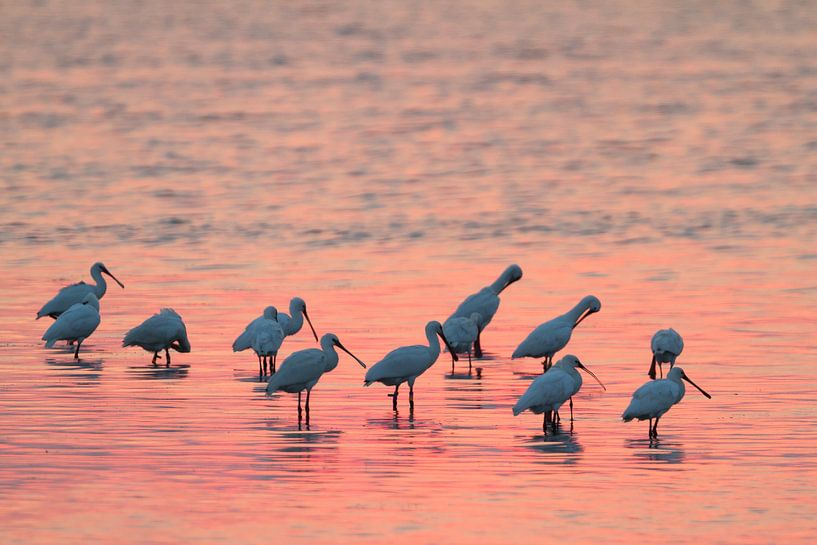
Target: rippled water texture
383,160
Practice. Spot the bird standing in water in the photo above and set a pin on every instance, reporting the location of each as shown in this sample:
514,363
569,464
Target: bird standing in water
75,324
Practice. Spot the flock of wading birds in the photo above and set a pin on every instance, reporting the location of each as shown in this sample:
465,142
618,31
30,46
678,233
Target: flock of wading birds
76,311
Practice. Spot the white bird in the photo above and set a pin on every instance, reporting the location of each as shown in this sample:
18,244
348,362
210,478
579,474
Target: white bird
75,293
462,333
550,337
303,369
406,363
656,397
75,324
293,322
161,331
667,345
485,302
265,336
550,390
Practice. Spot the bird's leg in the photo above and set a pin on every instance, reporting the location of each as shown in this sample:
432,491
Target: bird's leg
556,417
571,409
545,423
308,392
650,428
393,397
155,356
167,355
452,363
478,346
411,398
655,428
545,364
260,371
299,408
651,372
76,352
272,366
661,368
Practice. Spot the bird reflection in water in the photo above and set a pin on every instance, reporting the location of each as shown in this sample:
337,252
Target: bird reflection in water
559,448
657,450
159,373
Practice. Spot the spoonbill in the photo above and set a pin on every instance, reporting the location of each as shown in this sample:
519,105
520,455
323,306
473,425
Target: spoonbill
550,390
293,322
462,333
161,331
406,363
550,337
265,336
667,345
485,302
75,293
303,369
656,397
75,324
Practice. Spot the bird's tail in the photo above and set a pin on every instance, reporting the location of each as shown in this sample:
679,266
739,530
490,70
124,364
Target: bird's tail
367,382
50,343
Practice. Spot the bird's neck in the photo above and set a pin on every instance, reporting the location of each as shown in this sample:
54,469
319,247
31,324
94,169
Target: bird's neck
576,312
101,285
331,356
500,283
433,342
296,321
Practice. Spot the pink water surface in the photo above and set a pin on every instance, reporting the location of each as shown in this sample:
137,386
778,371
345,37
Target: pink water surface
382,161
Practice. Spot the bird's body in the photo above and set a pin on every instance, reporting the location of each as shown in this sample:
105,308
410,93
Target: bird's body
485,302
553,335
75,324
462,333
293,322
548,392
406,363
653,399
75,293
303,369
265,336
666,346
161,331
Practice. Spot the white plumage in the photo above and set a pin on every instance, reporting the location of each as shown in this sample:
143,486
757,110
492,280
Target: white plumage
551,336
406,363
75,293
462,333
293,322
303,369
666,346
548,392
656,397
161,331
75,324
486,302
265,336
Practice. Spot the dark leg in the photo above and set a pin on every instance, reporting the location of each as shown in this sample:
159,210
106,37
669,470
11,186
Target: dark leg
655,428
167,355
394,398
469,362
478,346
308,392
155,356
650,428
651,372
545,365
299,407
260,371
411,397
545,423
452,363
274,360
264,362
661,368
571,409
76,352
556,417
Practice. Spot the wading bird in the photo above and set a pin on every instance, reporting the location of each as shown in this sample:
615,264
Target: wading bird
406,363
265,336
485,302
161,331
667,345
549,391
293,322
550,337
75,293
462,333
303,369
656,397
75,324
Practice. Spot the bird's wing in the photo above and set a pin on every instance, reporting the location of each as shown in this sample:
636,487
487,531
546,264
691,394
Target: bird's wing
244,341
267,337
667,340
299,367
651,398
460,332
485,302
405,361
79,321
67,296
159,330
283,320
547,338
550,389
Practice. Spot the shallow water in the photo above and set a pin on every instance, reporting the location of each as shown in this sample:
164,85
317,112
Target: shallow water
382,162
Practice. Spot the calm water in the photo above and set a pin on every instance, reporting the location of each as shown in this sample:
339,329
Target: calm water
382,161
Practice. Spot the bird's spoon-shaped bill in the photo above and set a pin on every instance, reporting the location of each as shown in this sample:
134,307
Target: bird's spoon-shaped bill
686,378
347,351
589,372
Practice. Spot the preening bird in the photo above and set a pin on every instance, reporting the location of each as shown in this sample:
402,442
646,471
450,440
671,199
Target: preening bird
75,324
293,322
656,397
666,345
406,363
265,336
161,331
551,336
75,293
548,392
485,302
303,369
462,333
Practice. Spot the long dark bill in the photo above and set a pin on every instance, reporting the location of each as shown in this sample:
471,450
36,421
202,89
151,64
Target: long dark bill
589,372
310,325
652,368
345,350
106,271
585,315
448,345
686,378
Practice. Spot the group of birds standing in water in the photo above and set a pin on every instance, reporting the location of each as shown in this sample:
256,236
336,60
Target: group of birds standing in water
76,312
